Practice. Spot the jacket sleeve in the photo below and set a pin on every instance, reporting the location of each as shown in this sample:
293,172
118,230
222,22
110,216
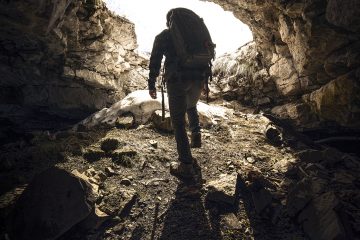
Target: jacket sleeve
157,54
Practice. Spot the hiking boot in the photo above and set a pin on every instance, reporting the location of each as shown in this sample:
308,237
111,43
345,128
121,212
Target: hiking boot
182,171
195,140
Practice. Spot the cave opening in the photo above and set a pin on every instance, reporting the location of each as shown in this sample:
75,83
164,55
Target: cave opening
107,176
227,31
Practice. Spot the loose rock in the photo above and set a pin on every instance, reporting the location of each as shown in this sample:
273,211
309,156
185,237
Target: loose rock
273,134
154,143
125,182
119,201
109,144
302,193
125,122
320,220
222,189
110,171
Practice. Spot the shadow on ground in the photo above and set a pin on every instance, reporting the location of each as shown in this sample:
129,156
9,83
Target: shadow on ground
186,219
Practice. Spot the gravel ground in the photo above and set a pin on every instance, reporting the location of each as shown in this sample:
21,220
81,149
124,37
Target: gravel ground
163,208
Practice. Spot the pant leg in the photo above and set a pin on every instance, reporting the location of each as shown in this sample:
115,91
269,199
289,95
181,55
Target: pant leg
193,118
192,98
177,107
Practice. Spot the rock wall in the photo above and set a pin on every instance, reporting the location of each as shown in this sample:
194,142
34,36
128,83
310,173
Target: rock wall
311,51
67,57
241,76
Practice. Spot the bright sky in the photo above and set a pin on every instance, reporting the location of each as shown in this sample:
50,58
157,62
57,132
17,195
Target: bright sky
149,17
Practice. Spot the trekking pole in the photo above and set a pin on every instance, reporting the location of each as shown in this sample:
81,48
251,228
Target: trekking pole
162,97
162,103
207,90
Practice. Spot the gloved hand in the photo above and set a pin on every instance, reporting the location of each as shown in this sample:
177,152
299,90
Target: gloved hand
152,88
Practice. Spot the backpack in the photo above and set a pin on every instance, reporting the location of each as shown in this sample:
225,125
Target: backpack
191,39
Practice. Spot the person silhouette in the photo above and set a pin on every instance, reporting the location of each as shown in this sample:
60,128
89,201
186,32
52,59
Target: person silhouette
184,88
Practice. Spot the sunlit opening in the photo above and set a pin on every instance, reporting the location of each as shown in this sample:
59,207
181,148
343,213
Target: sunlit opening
149,17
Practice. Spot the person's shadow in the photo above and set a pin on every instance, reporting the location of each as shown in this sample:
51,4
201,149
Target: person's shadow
186,217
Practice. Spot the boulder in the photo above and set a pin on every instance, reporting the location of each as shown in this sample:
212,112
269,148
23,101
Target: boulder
223,189
337,101
302,193
298,112
138,103
328,157
211,114
51,204
320,219
142,107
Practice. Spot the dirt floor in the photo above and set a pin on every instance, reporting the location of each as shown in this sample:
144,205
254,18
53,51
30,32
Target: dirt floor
161,207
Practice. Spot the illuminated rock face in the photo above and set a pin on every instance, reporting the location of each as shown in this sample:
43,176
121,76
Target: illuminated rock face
66,57
311,52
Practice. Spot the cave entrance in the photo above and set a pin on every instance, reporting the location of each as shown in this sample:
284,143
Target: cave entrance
228,33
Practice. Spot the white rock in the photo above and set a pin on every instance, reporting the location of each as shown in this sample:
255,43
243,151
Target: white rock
142,106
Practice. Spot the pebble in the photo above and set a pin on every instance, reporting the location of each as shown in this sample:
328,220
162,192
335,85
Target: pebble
250,159
153,143
150,165
110,171
125,182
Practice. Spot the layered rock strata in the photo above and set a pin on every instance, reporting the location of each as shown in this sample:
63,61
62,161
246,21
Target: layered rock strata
68,57
311,51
